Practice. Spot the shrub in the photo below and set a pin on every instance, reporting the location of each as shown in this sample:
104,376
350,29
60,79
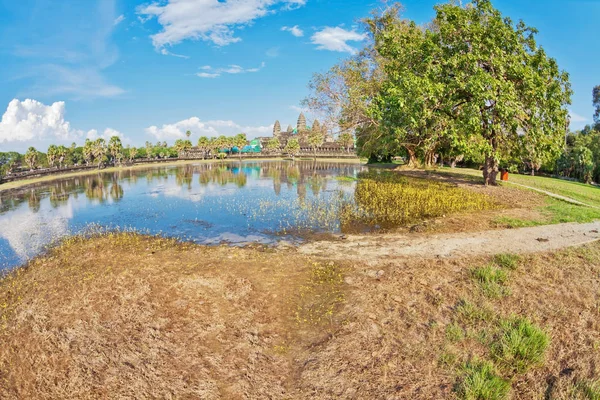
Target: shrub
520,345
507,261
491,280
480,381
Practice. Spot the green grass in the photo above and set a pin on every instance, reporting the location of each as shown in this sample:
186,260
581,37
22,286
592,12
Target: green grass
588,389
471,313
582,192
555,211
480,381
454,332
491,280
507,261
520,345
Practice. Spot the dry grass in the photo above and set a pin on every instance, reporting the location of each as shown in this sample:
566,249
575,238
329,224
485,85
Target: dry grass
127,316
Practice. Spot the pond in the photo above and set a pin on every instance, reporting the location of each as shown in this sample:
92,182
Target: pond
207,203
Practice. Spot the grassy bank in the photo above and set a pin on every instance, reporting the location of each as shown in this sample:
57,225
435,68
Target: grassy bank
125,315
49,178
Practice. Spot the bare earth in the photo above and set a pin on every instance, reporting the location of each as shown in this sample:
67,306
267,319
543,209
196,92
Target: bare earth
376,248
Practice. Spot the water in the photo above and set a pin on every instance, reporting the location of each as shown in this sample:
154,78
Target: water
233,202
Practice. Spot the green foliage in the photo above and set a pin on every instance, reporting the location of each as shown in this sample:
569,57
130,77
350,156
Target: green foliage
273,145
480,381
471,83
31,157
596,104
507,261
292,148
391,199
491,280
520,345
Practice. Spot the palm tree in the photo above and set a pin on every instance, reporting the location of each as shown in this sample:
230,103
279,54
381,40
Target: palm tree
51,155
99,151
240,141
132,153
188,134
88,151
203,145
62,153
115,148
31,157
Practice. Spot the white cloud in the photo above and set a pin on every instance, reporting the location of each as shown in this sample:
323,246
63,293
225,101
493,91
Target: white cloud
294,30
166,52
106,135
335,39
32,123
232,69
576,118
208,128
209,20
119,19
207,75
31,120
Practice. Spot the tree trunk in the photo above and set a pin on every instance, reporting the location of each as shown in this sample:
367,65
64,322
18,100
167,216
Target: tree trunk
412,157
490,171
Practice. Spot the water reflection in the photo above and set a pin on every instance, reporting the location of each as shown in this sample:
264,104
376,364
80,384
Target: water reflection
207,203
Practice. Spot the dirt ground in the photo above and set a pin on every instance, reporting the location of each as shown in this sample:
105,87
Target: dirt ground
390,247
128,316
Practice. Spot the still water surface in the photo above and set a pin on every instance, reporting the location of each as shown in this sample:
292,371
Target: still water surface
232,202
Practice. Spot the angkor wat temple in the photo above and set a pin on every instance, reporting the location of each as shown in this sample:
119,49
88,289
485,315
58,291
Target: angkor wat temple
301,132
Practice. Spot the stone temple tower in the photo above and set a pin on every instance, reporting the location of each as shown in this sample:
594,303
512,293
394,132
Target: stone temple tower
276,129
301,127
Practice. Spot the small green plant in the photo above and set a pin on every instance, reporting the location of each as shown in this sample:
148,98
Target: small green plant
520,345
491,280
471,313
507,261
589,390
480,381
454,332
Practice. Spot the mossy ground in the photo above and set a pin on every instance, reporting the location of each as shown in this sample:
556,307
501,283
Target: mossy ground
125,315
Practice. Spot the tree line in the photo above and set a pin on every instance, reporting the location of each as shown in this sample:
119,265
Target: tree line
100,152
471,85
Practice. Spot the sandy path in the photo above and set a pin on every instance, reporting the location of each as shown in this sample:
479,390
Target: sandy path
524,240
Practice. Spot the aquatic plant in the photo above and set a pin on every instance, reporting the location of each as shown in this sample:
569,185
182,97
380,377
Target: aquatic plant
388,198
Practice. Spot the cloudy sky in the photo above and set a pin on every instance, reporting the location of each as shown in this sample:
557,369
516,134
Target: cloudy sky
150,70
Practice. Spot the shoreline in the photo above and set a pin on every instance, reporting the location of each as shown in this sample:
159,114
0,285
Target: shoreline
19,184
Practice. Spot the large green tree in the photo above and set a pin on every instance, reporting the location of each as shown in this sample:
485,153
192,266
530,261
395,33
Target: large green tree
500,86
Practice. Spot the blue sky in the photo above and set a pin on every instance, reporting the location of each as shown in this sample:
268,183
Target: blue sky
151,70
